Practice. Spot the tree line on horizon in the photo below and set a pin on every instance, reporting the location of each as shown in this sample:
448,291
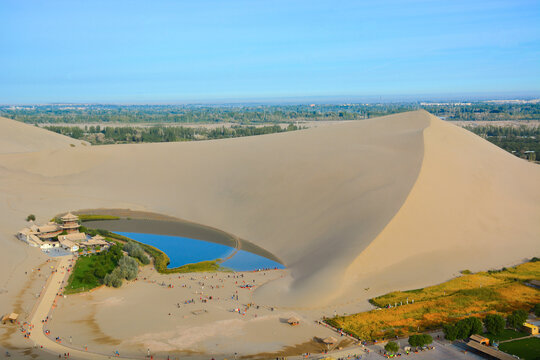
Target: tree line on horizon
259,114
522,141
97,135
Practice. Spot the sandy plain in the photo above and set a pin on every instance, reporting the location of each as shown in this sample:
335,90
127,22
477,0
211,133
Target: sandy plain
353,210
160,319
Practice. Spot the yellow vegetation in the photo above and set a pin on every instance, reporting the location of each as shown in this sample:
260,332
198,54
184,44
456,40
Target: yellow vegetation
468,295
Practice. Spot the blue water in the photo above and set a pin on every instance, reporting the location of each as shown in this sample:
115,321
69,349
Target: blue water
182,251
246,261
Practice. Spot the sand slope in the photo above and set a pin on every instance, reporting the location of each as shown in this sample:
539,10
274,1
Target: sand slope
474,206
18,137
398,201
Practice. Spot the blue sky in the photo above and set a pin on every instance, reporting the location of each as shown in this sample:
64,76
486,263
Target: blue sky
189,51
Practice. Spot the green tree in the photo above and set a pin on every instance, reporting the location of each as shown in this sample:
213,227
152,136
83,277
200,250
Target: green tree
420,340
468,326
413,340
31,217
463,329
516,319
391,347
426,339
450,332
537,310
476,325
494,324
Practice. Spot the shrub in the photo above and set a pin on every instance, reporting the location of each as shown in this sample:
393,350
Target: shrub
31,217
117,282
136,251
127,269
537,309
113,279
100,273
391,347
494,324
89,278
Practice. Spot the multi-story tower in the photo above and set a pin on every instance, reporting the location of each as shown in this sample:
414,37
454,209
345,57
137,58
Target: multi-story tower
70,223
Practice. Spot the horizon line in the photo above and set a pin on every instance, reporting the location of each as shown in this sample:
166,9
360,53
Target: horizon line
310,99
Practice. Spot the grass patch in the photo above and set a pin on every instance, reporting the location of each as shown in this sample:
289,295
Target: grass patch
506,334
77,281
89,271
84,218
527,349
415,291
478,294
203,266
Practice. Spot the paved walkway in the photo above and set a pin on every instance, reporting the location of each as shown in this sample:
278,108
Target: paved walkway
519,338
42,310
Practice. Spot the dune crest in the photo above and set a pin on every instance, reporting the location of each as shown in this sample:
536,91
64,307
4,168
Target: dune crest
399,201
474,206
18,137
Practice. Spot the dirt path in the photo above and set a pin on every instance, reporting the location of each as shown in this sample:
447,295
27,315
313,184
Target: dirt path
43,309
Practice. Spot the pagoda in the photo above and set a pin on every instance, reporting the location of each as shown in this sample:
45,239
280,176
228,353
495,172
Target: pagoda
70,223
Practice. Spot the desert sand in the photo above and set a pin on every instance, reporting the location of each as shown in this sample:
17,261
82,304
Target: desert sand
353,210
19,137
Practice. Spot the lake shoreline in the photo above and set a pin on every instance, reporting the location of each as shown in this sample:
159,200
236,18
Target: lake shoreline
157,224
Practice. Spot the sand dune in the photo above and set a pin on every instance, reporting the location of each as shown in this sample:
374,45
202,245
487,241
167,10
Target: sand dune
18,137
394,202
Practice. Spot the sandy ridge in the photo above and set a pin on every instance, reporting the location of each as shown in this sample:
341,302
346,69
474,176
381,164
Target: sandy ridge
330,201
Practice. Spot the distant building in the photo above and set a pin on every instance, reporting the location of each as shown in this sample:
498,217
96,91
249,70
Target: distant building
36,239
480,344
530,329
70,223
48,231
479,339
53,235
12,318
97,240
68,244
74,236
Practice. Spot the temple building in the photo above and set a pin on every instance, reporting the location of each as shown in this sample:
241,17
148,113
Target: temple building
66,235
70,223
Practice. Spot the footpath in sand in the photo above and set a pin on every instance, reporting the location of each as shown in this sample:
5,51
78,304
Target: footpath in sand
43,309
327,201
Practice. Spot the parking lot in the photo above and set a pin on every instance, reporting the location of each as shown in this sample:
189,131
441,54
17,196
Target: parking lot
442,351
